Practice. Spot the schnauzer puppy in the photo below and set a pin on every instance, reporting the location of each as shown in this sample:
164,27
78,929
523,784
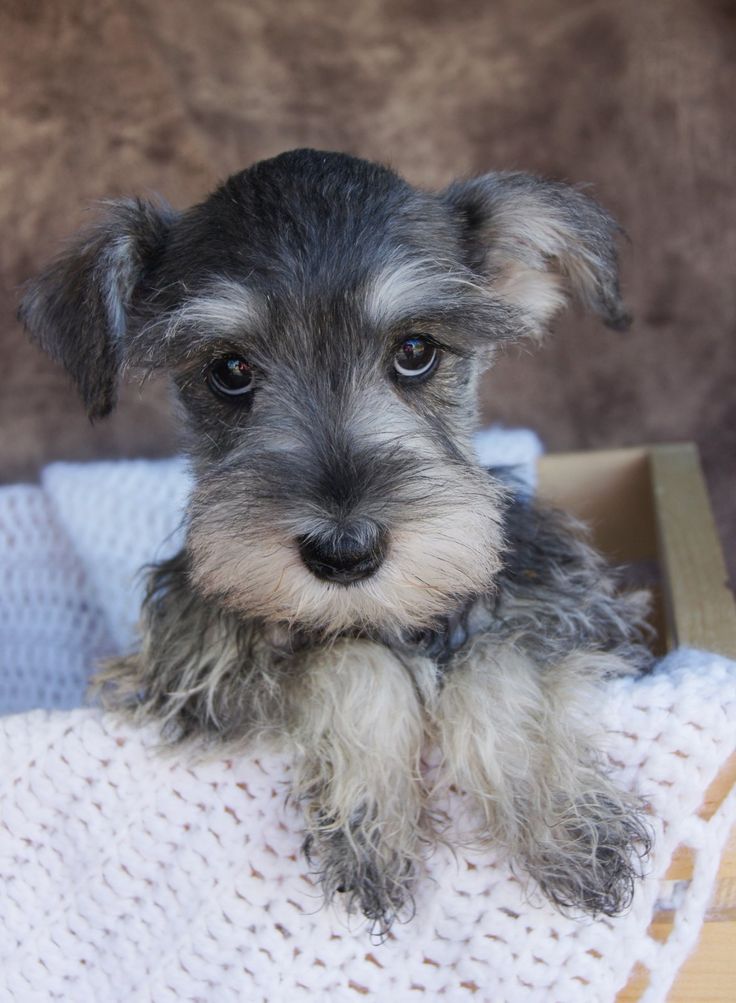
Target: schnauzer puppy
353,583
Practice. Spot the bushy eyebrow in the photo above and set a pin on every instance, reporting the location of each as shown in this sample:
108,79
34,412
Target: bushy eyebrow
225,309
416,285
421,290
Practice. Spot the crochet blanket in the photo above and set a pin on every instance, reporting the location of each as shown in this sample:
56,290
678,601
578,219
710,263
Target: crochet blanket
129,875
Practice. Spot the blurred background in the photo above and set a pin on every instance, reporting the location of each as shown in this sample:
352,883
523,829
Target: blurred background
103,98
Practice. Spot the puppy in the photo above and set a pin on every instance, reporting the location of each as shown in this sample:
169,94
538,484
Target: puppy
353,583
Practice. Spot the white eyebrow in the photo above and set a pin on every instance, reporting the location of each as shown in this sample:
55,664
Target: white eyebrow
226,308
410,286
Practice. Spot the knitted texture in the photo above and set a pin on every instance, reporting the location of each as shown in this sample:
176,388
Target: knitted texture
129,874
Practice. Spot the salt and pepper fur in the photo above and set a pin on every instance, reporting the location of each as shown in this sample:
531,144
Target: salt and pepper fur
490,623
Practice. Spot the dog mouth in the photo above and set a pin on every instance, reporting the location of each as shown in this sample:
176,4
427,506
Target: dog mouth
345,556
388,564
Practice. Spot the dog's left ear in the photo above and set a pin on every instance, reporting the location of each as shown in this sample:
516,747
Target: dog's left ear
79,308
533,241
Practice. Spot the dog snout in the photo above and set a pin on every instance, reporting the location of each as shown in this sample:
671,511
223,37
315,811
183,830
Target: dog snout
346,554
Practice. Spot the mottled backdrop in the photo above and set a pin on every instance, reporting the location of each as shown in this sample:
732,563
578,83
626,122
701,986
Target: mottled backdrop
101,98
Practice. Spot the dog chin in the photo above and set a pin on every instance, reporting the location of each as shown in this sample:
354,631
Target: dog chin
423,576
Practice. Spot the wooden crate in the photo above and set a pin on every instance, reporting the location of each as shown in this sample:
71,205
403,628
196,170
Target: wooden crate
648,508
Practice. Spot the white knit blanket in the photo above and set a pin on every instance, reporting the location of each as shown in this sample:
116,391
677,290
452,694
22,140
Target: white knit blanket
128,875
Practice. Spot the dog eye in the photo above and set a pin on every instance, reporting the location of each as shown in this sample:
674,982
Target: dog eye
415,357
230,376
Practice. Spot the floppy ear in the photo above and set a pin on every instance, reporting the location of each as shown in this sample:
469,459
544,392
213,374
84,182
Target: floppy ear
79,308
535,241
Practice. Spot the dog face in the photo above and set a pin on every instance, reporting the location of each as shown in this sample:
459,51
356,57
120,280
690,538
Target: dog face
325,325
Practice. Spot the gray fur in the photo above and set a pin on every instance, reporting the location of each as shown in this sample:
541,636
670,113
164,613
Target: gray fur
79,309
354,586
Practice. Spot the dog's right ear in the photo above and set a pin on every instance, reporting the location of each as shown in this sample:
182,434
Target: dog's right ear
534,241
79,308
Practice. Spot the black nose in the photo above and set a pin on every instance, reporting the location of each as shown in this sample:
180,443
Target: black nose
346,554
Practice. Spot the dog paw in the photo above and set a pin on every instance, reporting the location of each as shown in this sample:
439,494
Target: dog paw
592,856
370,878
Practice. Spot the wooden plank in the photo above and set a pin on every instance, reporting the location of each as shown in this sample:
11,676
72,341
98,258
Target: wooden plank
700,604
700,613
722,906
708,976
635,987
643,503
681,868
610,490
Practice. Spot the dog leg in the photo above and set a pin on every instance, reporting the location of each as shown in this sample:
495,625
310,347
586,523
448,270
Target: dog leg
514,736
358,726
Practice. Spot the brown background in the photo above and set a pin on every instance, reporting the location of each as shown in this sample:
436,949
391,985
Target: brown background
635,96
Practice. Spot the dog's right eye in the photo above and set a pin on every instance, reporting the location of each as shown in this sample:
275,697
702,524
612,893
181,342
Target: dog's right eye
416,358
230,377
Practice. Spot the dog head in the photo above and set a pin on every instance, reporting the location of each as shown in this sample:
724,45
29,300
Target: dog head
325,325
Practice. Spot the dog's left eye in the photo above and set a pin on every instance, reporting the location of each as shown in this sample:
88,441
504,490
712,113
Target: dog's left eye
230,376
415,357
